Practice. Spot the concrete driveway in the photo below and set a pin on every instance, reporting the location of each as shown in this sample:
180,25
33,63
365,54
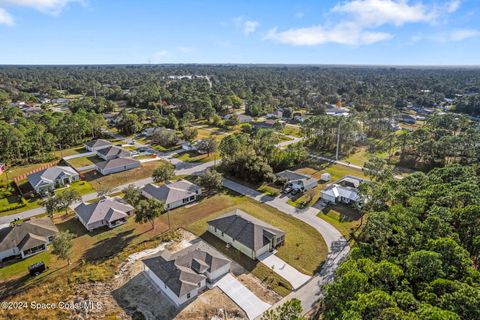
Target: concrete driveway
284,270
245,299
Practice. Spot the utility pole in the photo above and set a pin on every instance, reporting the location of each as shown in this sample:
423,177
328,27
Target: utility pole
338,140
94,92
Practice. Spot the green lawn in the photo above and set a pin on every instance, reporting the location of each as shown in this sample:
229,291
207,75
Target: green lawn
82,187
114,180
304,247
84,161
292,131
269,190
11,269
194,156
344,218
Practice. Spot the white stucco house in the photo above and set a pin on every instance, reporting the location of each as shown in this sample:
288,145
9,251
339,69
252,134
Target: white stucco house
245,233
110,212
48,179
181,276
173,194
27,238
344,191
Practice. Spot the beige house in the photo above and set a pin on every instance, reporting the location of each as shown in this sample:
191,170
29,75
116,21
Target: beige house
247,234
173,194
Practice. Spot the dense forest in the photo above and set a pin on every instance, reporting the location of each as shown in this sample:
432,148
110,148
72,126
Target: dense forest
163,95
419,253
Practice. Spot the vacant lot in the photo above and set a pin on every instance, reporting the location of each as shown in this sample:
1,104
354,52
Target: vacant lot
117,179
194,156
344,218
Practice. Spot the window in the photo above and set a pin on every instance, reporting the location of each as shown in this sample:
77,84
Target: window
188,295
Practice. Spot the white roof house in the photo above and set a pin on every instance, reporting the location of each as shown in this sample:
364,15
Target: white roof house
50,178
173,194
298,181
344,190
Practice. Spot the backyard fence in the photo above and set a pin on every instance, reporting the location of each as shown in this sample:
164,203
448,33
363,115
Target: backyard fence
45,166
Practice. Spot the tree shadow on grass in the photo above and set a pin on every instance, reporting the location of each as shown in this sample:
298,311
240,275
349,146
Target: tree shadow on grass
108,248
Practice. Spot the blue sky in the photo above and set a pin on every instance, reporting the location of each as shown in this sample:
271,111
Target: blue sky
400,32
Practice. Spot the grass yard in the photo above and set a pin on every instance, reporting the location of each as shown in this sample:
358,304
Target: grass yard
21,267
292,131
344,218
304,247
193,156
337,171
82,187
362,155
269,190
117,179
218,134
70,151
84,161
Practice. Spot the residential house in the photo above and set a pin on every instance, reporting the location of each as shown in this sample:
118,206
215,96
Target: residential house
337,111
27,238
247,234
269,124
173,194
184,274
344,190
110,212
113,152
406,118
297,181
51,178
277,114
96,145
116,165
243,118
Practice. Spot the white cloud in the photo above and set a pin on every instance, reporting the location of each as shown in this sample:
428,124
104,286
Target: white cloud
459,35
46,6
6,18
453,6
380,12
448,36
160,56
345,33
247,26
359,21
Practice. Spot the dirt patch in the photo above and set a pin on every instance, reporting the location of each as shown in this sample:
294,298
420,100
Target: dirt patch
212,304
256,286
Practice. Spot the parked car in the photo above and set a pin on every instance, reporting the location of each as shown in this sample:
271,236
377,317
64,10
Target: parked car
286,190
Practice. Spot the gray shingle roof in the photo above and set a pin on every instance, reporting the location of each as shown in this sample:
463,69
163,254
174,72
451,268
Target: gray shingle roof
292,175
108,209
99,143
114,151
246,229
116,163
49,175
183,271
11,237
172,192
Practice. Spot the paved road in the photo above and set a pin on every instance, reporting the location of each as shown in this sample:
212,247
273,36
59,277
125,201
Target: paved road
338,247
183,168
